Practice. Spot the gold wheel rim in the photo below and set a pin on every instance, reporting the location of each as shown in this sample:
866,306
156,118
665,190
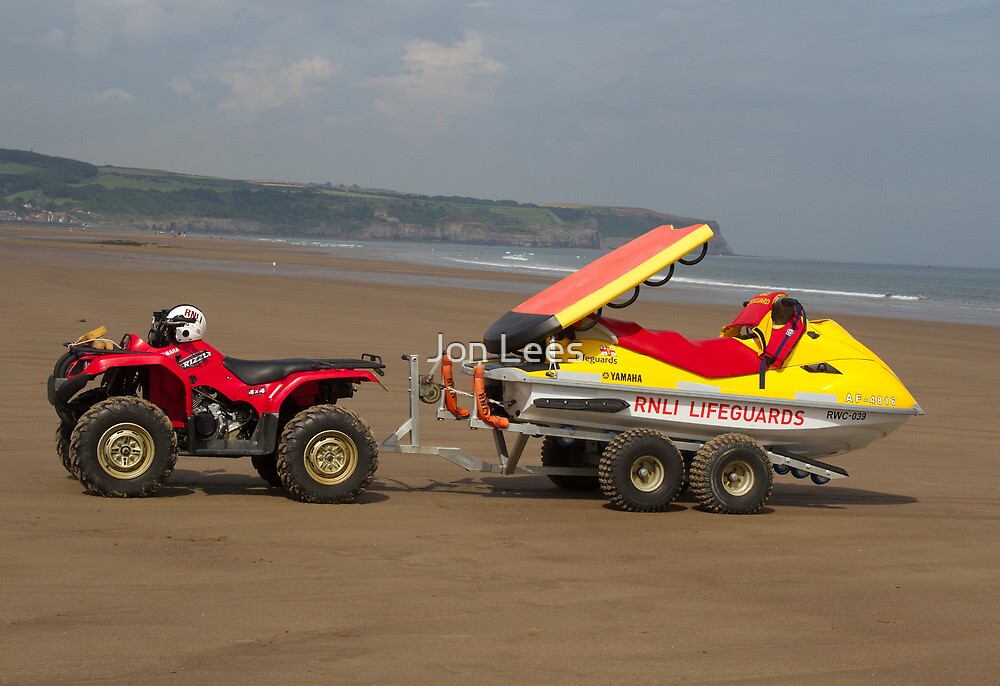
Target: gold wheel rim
331,457
126,451
647,473
738,478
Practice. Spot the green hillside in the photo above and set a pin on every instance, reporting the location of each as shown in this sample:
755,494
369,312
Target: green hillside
36,187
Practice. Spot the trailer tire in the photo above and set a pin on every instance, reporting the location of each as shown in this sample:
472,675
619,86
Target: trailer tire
123,447
267,467
641,471
556,454
326,455
731,474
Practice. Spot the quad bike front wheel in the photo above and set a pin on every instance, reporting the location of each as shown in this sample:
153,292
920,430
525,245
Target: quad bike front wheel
557,454
75,408
123,447
641,471
267,468
326,455
731,474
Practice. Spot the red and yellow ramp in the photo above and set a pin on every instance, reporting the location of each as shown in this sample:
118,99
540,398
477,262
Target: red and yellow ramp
593,286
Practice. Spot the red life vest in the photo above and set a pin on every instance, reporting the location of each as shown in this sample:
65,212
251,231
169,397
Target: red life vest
776,322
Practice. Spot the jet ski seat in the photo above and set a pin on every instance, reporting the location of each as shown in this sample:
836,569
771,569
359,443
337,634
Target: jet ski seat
713,358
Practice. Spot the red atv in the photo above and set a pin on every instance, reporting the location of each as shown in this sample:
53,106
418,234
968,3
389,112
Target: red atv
176,393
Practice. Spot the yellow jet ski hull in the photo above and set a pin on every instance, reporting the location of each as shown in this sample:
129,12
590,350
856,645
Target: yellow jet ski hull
831,396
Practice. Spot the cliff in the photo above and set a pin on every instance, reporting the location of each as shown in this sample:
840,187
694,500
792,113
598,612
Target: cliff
39,188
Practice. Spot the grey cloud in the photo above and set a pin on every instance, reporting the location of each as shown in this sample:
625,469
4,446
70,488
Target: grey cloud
819,129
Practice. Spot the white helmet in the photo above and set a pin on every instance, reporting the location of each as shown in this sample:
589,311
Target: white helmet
188,331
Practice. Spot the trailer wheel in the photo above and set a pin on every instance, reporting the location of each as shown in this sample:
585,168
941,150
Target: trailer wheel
556,454
641,471
267,468
326,455
731,474
123,447
75,408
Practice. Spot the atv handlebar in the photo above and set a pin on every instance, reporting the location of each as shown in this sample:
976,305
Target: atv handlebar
160,333
160,319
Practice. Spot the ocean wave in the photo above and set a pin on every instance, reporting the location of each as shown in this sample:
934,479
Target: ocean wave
704,283
300,242
711,283
507,265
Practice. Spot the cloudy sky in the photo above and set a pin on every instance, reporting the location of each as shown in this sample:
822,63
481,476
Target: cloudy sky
856,130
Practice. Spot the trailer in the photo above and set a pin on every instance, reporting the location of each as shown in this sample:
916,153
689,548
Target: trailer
638,480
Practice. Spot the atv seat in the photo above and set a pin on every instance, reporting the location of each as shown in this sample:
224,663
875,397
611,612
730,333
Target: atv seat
255,372
712,358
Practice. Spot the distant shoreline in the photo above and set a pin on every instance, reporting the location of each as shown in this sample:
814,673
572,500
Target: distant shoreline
287,257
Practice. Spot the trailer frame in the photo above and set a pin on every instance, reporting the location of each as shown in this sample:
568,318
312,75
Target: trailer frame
509,458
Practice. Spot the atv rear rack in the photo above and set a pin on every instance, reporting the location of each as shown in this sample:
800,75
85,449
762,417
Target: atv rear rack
425,389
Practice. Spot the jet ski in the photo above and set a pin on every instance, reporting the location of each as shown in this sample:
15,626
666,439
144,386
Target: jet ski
655,411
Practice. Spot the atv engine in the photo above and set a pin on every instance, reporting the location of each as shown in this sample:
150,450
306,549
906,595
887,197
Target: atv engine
216,417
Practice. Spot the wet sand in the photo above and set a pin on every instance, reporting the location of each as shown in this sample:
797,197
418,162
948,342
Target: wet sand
441,576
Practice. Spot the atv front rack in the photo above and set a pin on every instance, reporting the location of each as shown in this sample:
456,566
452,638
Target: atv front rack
424,389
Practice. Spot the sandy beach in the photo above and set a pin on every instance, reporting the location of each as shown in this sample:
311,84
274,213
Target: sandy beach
437,575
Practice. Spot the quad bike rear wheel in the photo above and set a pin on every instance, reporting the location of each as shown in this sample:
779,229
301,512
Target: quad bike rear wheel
557,454
641,471
731,474
123,447
326,455
75,408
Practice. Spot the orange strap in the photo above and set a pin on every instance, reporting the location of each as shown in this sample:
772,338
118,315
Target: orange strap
448,381
482,403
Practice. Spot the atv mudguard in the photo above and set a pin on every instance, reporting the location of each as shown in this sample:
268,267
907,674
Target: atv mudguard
163,385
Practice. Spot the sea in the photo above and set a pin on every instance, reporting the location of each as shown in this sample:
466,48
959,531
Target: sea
924,292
